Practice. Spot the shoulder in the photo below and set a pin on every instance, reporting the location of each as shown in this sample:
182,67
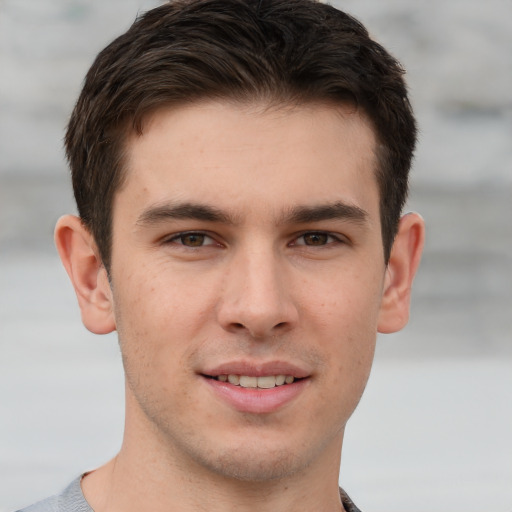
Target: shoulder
48,505
70,500
348,504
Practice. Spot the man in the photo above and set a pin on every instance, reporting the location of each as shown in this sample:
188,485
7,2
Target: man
240,168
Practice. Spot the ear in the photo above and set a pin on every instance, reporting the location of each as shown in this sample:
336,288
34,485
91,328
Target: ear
403,263
80,257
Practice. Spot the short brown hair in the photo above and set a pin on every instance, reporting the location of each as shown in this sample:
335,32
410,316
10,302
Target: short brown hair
282,51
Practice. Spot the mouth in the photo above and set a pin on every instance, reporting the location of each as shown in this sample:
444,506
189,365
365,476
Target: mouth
257,388
260,382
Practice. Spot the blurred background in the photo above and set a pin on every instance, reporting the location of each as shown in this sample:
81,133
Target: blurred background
434,429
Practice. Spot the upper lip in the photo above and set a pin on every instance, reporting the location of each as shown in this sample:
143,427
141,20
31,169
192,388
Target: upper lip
257,369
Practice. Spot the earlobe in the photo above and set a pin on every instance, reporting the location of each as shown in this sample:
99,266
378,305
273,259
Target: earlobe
81,259
403,263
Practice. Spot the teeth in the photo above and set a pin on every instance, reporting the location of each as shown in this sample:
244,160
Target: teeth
280,380
265,382
234,379
248,382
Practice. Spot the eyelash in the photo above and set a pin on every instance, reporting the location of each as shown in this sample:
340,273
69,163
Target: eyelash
335,239
178,239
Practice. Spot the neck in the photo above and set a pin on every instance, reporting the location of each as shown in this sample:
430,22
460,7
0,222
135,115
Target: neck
147,474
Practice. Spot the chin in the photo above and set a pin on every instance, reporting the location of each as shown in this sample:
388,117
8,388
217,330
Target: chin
258,460
256,466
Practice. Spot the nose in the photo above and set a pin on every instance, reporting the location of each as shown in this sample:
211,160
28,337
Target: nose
257,295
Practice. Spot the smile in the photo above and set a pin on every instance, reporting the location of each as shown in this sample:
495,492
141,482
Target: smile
256,394
263,382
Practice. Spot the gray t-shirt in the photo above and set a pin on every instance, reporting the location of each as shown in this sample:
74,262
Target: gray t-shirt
72,500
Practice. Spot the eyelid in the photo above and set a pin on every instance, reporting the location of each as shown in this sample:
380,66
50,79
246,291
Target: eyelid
175,238
338,238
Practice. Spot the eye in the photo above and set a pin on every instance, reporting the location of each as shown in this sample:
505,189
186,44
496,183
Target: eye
192,239
316,239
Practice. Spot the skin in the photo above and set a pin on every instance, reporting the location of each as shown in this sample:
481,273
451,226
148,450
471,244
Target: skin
269,277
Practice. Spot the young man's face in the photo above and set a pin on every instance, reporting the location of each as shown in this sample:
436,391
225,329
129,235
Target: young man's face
247,242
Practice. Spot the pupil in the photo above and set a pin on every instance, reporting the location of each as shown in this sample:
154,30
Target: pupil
315,238
192,240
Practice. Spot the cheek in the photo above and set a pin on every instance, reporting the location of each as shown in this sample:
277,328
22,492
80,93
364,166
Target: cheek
346,316
349,301
157,296
159,313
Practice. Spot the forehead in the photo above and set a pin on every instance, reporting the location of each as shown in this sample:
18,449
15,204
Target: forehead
228,154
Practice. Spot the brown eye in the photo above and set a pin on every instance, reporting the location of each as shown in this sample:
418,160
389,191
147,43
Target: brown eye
192,239
315,238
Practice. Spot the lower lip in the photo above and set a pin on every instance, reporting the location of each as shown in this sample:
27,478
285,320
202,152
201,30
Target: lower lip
256,400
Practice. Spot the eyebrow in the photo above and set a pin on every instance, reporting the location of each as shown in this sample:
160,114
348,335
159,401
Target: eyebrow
333,211
295,215
168,211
